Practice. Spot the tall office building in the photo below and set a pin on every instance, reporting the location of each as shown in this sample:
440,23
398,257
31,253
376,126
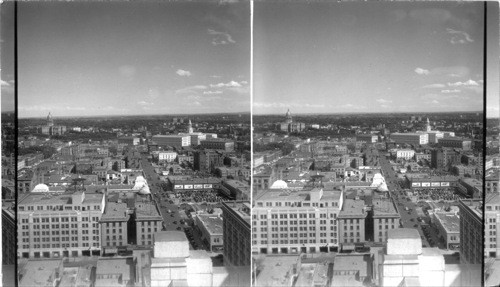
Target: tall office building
236,232
52,224
293,221
492,226
471,231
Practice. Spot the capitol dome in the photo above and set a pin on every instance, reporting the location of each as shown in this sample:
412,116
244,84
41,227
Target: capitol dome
41,188
279,184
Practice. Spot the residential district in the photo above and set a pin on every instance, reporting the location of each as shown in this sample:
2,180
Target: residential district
112,202
369,200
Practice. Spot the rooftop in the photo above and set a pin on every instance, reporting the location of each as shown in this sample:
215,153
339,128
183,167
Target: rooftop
353,208
403,233
212,223
450,222
241,208
357,262
115,211
276,270
170,236
384,207
39,272
123,266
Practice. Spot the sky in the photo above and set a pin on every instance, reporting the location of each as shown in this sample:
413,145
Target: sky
118,58
7,56
319,57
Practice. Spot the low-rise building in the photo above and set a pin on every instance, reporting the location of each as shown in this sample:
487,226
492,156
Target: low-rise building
449,229
210,226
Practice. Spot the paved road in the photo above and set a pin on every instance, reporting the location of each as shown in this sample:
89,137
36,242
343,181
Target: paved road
408,217
169,211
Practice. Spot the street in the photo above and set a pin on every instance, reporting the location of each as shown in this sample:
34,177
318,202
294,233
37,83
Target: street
169,211
406,208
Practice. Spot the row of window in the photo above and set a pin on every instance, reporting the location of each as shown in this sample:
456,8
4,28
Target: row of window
65,238
295,241
297,204
58,207
57,219
59,245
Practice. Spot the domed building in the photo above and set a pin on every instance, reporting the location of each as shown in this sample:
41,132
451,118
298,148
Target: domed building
279,184
50,129
289,126
40,188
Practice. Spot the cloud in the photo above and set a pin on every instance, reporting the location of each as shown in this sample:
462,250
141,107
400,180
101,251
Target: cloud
144,103
227,85
450,91
127,71
383,101
459,37
421,71
190,90
442,97
212,92
434,86
220,38
466,83
453,71
183,73
431,15
240,90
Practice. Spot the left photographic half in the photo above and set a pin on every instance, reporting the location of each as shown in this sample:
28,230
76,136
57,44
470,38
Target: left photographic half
7,104
134,143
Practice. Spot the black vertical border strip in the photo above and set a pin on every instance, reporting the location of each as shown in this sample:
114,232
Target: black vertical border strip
485,71
16,146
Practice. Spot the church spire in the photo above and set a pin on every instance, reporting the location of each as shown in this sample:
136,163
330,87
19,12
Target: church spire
190,127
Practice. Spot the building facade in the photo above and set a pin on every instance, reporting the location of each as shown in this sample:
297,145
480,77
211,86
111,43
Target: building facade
59,224
471,231
236,232
290,221
414,139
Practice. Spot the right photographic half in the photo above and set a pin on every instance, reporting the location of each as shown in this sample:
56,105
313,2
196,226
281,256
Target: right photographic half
369,144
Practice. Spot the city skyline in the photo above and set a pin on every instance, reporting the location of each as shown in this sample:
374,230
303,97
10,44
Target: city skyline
133,58
362,57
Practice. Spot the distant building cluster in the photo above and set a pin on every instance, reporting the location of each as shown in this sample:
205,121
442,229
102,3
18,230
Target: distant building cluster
50,129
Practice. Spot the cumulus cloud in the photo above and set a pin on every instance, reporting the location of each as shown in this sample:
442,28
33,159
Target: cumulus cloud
434,86
183,73
450,91
466,83
453,71
212,92
421,71
459,37
383,101
190,90
220,38
144,103
226,85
